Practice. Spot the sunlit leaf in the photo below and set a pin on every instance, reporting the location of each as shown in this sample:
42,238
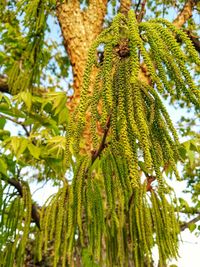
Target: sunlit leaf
34,150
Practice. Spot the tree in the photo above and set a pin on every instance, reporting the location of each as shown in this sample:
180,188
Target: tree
113,135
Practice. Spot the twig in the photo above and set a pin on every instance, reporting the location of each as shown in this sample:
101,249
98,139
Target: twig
97,153
17,122
142,11
137,7
149,179
41,187
195,40
187,224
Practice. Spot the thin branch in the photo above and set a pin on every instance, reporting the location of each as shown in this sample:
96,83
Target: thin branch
185,13
97,153
137,6
142,11
187,224
17,122
34,210
195,40
183,16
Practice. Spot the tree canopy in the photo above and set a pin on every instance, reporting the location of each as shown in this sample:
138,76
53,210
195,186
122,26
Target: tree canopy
88,113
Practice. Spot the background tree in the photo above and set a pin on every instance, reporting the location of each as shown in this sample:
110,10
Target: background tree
33,97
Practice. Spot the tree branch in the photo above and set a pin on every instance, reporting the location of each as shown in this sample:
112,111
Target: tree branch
142,11
34,210
96,153
125,6
17,122
75,25
137,6
187,224
195,40
185,13
3,84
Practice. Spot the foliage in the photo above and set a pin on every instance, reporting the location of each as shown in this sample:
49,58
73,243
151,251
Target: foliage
118,205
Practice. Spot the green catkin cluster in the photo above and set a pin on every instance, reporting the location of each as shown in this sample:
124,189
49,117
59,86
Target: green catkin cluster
175,61
16,229
27,203
26,70
110,208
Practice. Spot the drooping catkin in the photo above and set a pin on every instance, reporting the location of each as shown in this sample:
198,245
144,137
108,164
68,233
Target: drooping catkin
110,199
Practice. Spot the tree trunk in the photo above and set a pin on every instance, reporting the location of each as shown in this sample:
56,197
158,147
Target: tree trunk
79,28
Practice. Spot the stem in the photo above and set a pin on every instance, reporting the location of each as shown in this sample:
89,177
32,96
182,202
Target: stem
97,153
142,11
17,122
187,224
137,6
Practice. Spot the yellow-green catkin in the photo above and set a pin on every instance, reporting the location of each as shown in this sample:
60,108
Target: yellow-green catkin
40,237
135,35
108,202
181,34
59,224
142,125
129,152
107,77
158,53
94,109
27,205
79,191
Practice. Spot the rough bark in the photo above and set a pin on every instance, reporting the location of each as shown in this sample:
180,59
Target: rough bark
79,29
125,6
185,13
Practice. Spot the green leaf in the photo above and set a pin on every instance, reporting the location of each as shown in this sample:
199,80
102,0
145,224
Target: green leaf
182,152
87,259
56,165
186,144
15,143
192,227
191,157
59,100
11,111
27,98
56,145
7,100
2,122
34,150
19,144
194,145
4,134
3,166
63,116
